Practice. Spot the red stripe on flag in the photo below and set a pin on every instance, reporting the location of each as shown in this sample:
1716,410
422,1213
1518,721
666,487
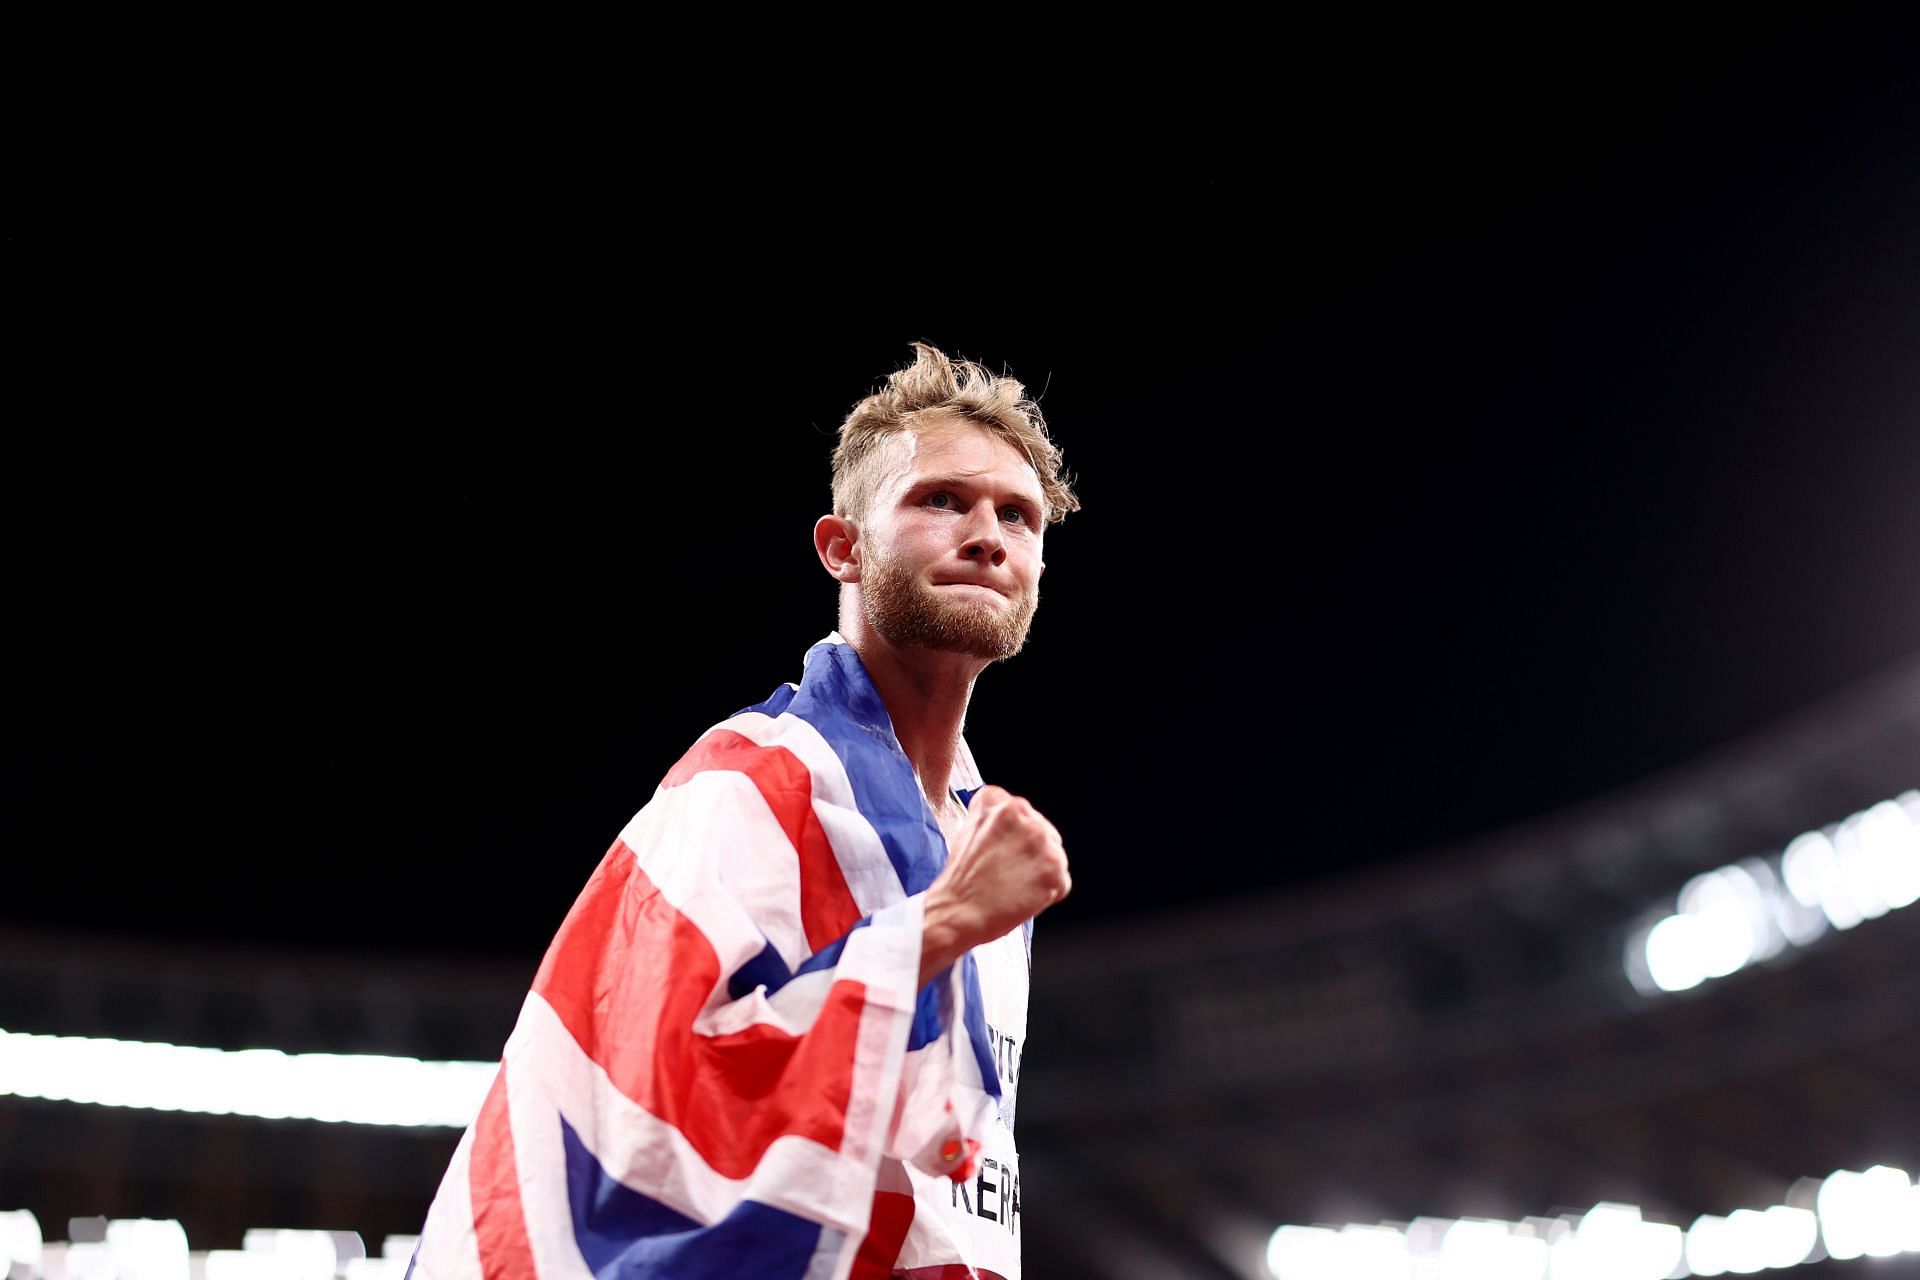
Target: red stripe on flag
827,908
499,1225
628,974
892,1218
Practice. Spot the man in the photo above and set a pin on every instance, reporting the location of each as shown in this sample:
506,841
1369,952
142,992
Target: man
779,1033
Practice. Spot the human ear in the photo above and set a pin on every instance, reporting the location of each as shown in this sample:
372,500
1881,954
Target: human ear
836,540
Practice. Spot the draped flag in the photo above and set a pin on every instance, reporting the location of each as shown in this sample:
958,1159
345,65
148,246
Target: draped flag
724,1043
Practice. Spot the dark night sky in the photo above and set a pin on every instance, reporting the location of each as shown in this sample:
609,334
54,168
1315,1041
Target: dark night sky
1452,450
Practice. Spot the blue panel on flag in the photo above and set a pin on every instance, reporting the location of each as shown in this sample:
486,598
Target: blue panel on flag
838,699
765,970
623,1233
775,703
976,1023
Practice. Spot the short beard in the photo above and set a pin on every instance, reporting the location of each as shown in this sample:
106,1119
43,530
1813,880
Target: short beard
906,613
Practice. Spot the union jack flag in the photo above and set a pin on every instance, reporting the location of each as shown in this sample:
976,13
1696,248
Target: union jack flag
724,1048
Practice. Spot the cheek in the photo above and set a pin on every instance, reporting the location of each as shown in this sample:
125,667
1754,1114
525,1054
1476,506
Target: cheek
921,538
900,546
1030,566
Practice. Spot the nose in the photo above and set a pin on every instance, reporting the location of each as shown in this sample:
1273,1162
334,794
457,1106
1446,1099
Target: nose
982,532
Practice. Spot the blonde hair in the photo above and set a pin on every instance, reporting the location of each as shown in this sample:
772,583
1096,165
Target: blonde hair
933,386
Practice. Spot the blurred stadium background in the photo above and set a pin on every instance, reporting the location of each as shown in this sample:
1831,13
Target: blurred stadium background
1673,1031
1577,401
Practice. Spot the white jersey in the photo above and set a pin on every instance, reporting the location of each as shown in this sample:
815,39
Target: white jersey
977,1222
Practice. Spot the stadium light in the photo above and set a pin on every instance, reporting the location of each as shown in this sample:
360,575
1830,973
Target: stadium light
1376,1253
303,1255
374,1269
148,1248
82,1260
20,1240
1747,1241
1304,1253
238,1264
1873,1214
1735,916
339,1088
1612,1242
1482,1250
1866,1214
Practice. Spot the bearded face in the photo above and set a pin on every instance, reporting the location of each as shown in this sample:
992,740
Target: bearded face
909,612
949,547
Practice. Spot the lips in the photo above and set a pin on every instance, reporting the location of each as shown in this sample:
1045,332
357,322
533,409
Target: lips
984,586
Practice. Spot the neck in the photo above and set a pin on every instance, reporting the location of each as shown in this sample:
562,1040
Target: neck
926,695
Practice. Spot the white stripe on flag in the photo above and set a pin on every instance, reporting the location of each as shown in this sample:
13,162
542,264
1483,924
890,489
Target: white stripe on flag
540,1152
672,838
448,1249
863,859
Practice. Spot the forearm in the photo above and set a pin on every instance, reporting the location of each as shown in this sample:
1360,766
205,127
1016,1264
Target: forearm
940,939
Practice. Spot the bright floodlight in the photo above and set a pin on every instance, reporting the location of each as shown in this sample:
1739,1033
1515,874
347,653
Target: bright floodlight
20,1240
297,1255
1890,844
1749,1240
1746,1242
1735,916
1811,869
237,1264
1734,907
351,1088
1866,1213
1304,1253
90,1260
1876,1213
1762,1240
148,1248
1677,950
1490,1251
1859,869
1375,1253
1792,1235
375,1269
1613,1243
1708,1249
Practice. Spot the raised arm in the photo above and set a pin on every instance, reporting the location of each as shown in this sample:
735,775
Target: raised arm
1006,866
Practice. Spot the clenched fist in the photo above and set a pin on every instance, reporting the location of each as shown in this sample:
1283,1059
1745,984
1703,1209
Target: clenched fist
1006,865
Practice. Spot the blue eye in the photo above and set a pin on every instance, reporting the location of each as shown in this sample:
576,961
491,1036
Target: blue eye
941,499
1013,515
